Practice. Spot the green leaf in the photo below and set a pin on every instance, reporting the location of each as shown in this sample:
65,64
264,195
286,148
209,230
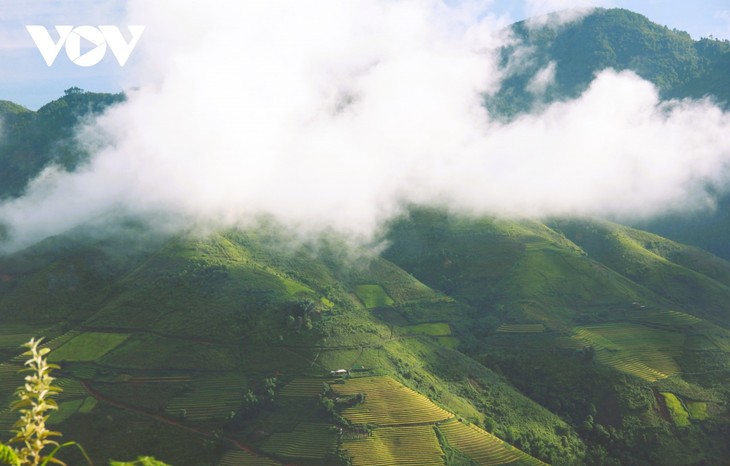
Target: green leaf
8,455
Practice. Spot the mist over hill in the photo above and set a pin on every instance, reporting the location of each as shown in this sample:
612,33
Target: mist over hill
448,224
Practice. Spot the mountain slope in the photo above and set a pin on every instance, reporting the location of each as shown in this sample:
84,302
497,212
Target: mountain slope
195,308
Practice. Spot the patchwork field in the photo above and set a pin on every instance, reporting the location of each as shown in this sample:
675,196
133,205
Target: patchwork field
388,402
389,446
680,416
373,296
429,328
635,349
482,447
308,440
521,328
304,387
88,346
212,397
244,458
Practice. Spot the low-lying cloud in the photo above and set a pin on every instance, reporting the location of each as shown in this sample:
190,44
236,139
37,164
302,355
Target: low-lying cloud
332,115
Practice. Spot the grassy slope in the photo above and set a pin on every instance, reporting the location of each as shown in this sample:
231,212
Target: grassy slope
624,283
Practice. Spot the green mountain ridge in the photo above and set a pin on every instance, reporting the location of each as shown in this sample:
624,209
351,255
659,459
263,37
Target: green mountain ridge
610,38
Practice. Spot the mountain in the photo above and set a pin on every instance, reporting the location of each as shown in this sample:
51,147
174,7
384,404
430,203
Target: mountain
466,339
33,140
573,340
679,66
609,38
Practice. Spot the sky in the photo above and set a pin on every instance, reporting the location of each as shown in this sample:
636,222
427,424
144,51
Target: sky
333,116
26,79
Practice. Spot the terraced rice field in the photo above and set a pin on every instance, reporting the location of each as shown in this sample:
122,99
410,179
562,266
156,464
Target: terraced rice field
244,458
71,389
521,328
642,351
373,296
215,397
50,344
10,379
648,364
310,441
391,446
680,416
14,335
667,317
429,328
388,402
88,346
7,419
304,387
482,447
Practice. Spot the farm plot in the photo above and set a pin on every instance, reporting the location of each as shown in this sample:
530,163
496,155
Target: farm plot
373,296
51,344
482,447
7,419
13,335
215,397
666,317
307,441
10,379
244,458
412,445
304,387
521,328
437,329
388,402
71,389
680,416
88,346
642,351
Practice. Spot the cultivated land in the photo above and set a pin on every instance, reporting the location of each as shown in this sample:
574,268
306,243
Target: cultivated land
468,340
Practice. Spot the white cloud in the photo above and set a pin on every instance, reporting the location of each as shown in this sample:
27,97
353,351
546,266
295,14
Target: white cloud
555,12
329,114
543,79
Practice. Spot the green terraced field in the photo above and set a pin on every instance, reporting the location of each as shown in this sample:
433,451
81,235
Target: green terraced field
88,346
431,328
388,402
305,387
680,416
697,410
482,447
521,328
71,389
373,296
244,458
665,317
396,446
213,397
10,379
635,349
310,441
7,419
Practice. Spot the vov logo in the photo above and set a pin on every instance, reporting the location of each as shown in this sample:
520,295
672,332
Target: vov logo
71,36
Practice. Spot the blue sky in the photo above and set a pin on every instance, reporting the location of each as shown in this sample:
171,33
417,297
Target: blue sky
27,80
